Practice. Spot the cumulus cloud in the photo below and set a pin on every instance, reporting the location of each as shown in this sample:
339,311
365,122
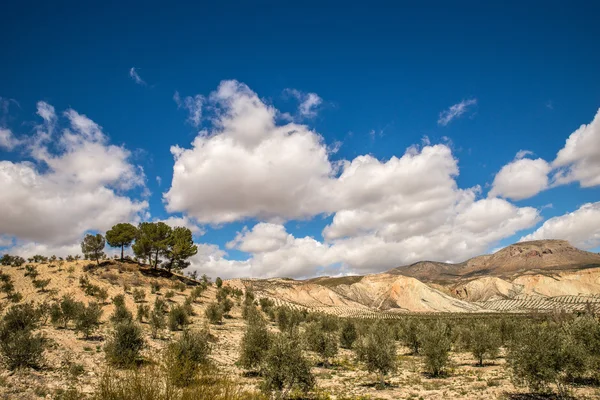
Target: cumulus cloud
183,221
247,166
8,141
580,227
73,185
193,105
455,111
579,159
522,178
133,74
385,213
308,102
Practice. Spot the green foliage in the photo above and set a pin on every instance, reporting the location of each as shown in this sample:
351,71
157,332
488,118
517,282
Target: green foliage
124,346
377,349
41,284
151,241
543,354
484,341
31,272
19,346
143,312
255,342
436,347
214,313
121,313
121,235
219,282
157,318
138,295
412,335
88,319
285,368
180,246
178,318
169,295
65,311
321,341
348,334
92,247
186,355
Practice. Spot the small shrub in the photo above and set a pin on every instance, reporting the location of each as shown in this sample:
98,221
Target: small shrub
321,342
348,334
169,295
286,369
377,350
178,318
143,312
19,346
186,355
124,347
436,348
484,342
214,313
255,342
138,295
157,321
41,284
88,319
121,314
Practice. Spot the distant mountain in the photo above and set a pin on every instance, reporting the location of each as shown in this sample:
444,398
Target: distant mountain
549,255
536,275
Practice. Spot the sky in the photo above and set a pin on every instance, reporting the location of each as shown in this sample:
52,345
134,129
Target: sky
296,140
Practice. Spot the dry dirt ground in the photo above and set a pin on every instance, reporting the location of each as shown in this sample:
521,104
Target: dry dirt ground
72,361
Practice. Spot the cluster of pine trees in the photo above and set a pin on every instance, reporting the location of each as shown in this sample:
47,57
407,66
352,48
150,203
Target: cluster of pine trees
150,241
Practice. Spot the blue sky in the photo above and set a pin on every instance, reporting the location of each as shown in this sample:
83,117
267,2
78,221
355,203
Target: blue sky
382,76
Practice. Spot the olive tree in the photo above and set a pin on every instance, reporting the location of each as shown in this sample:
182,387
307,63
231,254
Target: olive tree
377,350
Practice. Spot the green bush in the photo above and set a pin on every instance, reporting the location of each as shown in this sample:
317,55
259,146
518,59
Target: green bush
214,313
412,335
178,318
41,284
88,319
484,341
320,341
157,321
124,346
138,295
377,350
255,342
121,314
543,354
186,355
143,312
19,346
348,334
436,346
285,368
65,311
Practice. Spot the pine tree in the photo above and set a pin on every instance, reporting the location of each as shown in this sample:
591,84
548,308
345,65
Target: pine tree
121,235
92,247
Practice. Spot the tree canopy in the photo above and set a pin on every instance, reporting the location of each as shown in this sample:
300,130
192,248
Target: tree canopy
121,235
93,247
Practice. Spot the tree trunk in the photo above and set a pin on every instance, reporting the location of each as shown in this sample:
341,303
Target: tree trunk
122,247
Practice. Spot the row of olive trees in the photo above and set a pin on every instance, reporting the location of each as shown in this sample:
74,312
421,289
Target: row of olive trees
542,353
149,241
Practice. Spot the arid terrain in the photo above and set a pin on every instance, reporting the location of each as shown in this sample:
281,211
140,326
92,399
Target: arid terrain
521,279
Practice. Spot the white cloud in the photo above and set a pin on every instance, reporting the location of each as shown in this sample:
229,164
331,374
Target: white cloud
580,227
386,213
159,180
72,186
455,111
247,166
8,141
133,74
579,159
183,221
522,178
193,105
309,102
